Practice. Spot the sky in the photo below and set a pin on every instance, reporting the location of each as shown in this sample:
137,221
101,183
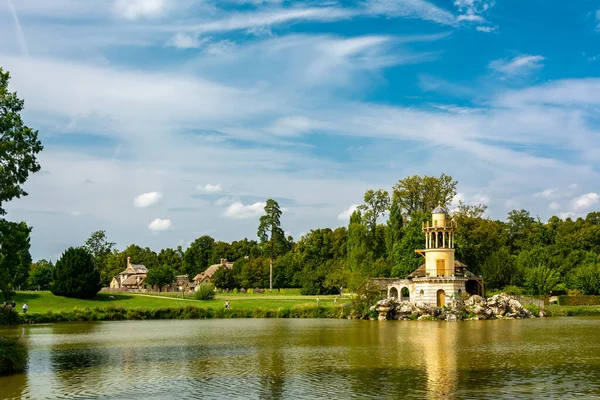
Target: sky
165,120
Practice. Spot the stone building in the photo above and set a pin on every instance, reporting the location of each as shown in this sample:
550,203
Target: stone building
132,278
206,276
442,278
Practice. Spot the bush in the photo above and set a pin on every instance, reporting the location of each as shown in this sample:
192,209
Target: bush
8,316
513,290
13,356
579,300
75,275
206,291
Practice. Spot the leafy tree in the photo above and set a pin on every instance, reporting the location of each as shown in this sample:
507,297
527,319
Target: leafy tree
19,145
541,279
360,256
224,278
75,274
376,204
100,249
423,194
499,269
221,250
269,230
15,259
40,275
172,258
587,278
394,231
197,257
160,276
412,239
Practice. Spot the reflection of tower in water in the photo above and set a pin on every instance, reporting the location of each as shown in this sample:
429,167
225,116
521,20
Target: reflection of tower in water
439,349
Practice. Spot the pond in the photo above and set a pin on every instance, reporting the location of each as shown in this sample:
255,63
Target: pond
309,358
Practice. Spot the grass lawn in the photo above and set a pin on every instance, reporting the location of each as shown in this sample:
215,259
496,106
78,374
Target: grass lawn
565,311
45,301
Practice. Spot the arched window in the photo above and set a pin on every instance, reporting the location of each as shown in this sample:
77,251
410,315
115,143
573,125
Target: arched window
393,293
405,294
441,298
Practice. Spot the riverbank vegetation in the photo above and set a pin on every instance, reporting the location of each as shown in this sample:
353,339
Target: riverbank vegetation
13,356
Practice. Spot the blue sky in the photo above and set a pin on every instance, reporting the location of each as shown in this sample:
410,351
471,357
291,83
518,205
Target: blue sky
164,120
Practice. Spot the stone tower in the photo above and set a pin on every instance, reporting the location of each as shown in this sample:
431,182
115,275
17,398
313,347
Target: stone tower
439,244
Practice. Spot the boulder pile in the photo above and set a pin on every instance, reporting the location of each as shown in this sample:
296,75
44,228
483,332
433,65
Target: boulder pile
500,306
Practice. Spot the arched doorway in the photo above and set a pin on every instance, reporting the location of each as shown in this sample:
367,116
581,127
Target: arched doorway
393,293
405,294
441,298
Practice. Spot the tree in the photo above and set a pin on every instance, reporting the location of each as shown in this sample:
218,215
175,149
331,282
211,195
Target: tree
172,258
15,259
100,249
499,269
19,145
75,274
224,278
40,275
270,224
395,223
359,257
160,276
416,193
197,257
376,204
541,279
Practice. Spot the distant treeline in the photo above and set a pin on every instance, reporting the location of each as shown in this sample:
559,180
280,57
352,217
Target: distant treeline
522,253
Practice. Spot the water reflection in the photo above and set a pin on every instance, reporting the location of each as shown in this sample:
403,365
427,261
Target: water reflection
277,359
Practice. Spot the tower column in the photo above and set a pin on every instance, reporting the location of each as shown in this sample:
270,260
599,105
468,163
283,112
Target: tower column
436,240
443,239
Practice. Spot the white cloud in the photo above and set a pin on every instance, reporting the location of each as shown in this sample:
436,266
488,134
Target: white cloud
517,65
546,193
187,41
237,210
553,206
346,214
584,202
223,200
135,9
159,225
147,199
486,29
210,188
470,18
480,198
410,9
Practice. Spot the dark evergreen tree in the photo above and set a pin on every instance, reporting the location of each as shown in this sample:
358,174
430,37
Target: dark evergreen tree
75,274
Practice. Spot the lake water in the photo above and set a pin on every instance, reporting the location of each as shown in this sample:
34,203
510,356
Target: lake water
307,358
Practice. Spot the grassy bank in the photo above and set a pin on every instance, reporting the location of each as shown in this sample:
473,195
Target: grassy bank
44,307
573,311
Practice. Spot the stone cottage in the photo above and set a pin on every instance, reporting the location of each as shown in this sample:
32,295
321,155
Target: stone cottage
441,278
206,276
132,278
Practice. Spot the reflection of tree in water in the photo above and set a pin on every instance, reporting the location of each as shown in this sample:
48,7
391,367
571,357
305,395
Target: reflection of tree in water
272,363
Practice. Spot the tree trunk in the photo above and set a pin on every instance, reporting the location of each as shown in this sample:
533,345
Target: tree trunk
271,265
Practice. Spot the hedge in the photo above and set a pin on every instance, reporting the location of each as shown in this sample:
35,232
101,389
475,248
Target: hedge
579,300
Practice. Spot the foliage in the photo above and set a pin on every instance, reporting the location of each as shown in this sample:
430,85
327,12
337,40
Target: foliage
499,269
15,259
160,276
13,355
173,258
269,230
417,194
8,316
206,291
40,275
377,202
198,255
586,278
579,300
367,294
224,278
541,279
19,145
75,274
100,249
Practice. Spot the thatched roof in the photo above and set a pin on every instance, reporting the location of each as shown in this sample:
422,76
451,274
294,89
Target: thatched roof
210,271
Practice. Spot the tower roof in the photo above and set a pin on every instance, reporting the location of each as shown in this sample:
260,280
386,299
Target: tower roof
439,210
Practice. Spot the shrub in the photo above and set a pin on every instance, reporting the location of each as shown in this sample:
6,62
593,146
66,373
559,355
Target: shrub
8,316
206,291
75,275
13,356
513,290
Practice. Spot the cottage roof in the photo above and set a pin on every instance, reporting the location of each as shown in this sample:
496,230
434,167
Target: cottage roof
134,269
210,271
133,279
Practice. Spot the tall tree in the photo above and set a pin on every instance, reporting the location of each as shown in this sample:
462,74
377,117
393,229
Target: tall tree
376,204
19,145
197,257
15,259
40,275
395,224
416,193
160,276
172,258
100,249
269,230
75,274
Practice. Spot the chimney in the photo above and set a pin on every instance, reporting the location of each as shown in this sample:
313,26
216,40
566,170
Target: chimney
128,262
223,261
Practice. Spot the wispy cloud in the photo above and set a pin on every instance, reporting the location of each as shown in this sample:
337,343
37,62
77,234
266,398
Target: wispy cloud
517,65
187,41
210,188
135,9
486,29
585,201
18,29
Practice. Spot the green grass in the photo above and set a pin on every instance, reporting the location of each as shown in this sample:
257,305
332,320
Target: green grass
13,356
41,302
573,311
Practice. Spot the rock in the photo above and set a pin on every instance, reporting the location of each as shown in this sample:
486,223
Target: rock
382,317
424,316
542,314
475,300
451,317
